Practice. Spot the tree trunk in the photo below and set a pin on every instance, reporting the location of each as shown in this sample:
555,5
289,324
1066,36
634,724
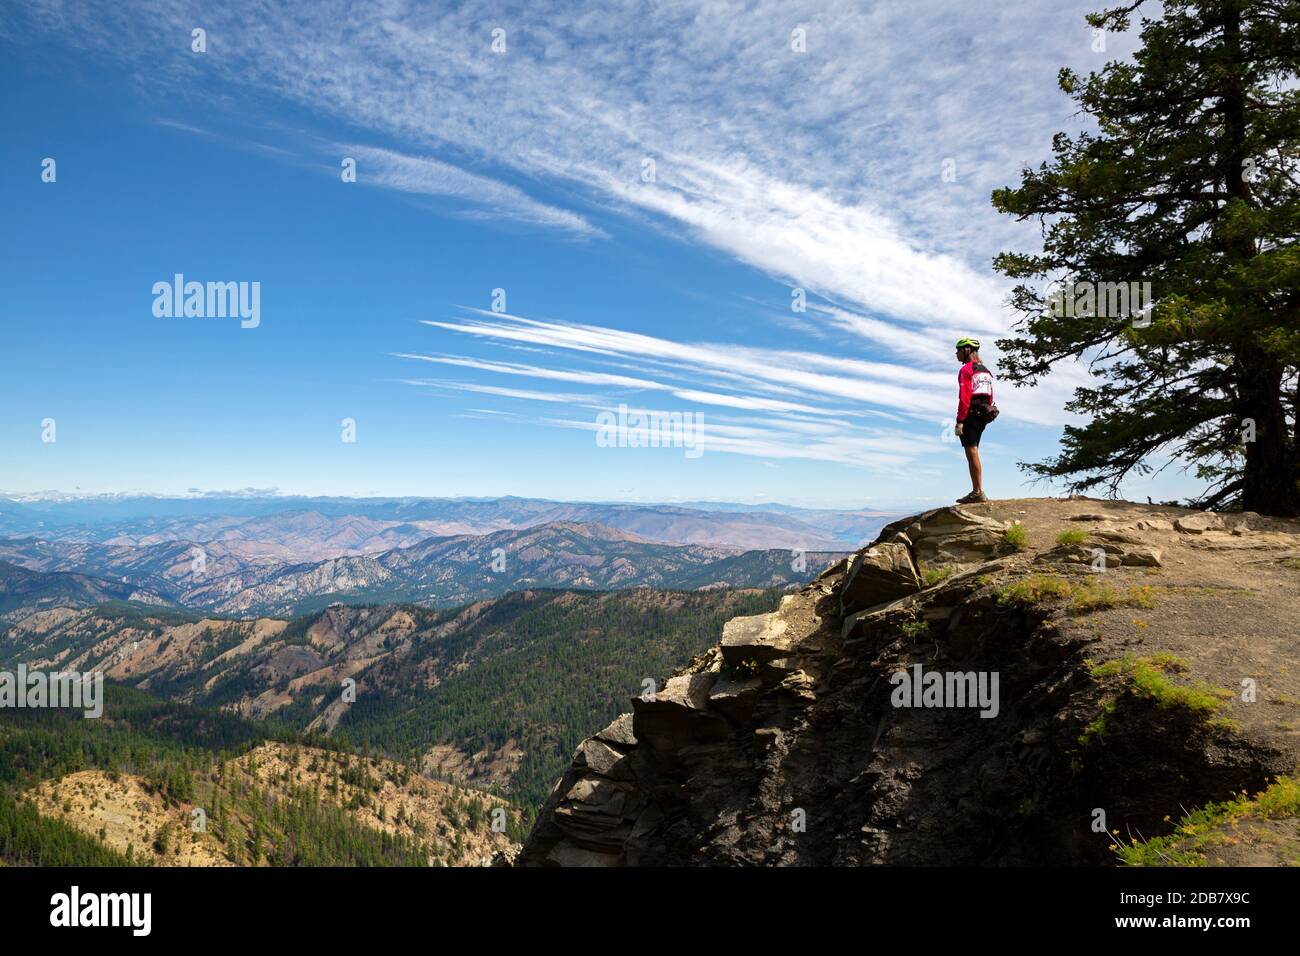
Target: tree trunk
1271,481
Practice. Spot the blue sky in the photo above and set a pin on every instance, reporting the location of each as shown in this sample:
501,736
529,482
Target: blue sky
522,170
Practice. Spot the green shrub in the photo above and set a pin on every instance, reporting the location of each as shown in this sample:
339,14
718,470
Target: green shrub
914,629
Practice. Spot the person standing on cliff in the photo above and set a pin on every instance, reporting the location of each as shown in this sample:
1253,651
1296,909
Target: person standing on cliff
975,409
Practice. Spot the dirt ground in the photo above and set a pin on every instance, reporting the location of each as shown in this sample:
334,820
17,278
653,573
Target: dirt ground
1226,602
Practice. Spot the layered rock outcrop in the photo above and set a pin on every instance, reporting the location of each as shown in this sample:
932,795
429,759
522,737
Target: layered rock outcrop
797,741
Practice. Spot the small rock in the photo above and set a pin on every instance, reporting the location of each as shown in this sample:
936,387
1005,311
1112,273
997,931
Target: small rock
799,684
1082,554
1154,524
1118,537
1142,557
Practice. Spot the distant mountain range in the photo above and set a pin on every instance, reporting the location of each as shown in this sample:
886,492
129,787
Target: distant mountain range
440,571
302,529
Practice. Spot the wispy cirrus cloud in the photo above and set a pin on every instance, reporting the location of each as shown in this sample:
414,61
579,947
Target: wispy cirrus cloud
876,384
858,170
483,197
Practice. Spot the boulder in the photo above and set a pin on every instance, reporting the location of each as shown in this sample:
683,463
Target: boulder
1198,523
619,732
736,697
883,573
864,622
1142,556
757,638
683,692
1115,555
566,854
1243,523
953,536
839,567
599,757
597,794
597,813
679,716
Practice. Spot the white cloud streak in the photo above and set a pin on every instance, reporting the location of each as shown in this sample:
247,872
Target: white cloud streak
487,197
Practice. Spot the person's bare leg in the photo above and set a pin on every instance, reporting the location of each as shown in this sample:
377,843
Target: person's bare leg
976,470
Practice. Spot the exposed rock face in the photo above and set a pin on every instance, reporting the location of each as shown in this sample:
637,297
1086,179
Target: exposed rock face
948,536
788,743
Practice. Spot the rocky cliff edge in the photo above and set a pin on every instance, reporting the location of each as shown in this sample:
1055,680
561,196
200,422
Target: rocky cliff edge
1017,682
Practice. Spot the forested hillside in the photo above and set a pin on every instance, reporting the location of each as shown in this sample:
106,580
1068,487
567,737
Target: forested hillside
547,666
125,791
494,695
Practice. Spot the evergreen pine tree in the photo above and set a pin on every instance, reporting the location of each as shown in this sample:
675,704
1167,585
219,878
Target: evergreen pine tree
1191,182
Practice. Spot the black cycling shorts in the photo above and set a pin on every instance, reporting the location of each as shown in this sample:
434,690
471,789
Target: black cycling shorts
971,430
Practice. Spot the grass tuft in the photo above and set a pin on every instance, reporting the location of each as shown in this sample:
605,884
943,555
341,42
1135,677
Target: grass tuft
934,576
1205,827
1015,537
1090,594
1146,677
1035,588
1093,594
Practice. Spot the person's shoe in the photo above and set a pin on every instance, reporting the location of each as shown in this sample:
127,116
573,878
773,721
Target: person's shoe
973,498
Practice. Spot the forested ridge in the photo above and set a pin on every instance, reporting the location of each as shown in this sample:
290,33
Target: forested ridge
547,668
531,672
